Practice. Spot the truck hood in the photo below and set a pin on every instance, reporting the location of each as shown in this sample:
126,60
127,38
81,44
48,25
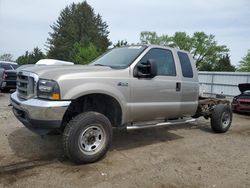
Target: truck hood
244,87
59,70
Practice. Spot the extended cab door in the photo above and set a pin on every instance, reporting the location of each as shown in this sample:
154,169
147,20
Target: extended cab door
158,97
190,84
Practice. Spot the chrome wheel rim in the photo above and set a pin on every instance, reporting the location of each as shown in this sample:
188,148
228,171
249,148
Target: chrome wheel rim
225,119
92,139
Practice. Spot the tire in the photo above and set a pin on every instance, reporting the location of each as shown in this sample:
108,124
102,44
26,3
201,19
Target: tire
221,118
87,137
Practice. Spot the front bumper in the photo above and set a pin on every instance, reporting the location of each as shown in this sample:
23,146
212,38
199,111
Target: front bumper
40,116
8,84
240,108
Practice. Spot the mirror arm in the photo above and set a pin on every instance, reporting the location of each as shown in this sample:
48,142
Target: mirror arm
139,74
145,65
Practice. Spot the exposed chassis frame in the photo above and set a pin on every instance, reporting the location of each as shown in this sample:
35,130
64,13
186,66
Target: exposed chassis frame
206,106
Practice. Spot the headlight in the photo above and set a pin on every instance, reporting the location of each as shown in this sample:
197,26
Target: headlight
48,89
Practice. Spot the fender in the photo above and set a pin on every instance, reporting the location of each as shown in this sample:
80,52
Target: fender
99,88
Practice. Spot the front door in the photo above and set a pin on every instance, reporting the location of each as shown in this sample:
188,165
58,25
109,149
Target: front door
158,97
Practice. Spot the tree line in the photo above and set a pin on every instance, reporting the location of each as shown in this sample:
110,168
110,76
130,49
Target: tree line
79,35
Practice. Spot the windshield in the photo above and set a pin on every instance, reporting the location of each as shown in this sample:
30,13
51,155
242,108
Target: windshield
119,57
14,66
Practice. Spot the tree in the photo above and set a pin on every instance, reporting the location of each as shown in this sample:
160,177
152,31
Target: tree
245,63
120,43
6,57
31,57
148,37
83,55
224,64
204,48
182,41
77,23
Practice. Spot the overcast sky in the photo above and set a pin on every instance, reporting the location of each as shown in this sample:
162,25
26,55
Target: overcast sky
24,24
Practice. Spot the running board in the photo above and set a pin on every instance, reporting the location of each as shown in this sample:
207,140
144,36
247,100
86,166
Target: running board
175,122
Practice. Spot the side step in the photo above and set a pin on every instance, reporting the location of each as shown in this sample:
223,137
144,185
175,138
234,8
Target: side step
174,122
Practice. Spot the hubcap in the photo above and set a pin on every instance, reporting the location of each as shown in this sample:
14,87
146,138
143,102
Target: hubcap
225,119
92,139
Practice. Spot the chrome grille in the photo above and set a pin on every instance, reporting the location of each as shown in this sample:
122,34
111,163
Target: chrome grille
26,84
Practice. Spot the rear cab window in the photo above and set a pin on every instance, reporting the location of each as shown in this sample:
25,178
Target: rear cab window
186,66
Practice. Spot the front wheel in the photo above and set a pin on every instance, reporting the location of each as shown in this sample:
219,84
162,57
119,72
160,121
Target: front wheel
221,118
87,137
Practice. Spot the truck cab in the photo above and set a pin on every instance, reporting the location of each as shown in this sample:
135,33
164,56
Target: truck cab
170,91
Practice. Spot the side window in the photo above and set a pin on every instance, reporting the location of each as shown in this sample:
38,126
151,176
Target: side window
186,66
164,60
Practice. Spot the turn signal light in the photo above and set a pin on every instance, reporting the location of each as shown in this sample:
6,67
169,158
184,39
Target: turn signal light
55,96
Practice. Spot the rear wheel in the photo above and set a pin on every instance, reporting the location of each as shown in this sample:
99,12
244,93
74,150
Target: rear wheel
221,118
87,137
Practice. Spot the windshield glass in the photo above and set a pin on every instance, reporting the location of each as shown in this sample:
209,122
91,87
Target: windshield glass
14,66
119,57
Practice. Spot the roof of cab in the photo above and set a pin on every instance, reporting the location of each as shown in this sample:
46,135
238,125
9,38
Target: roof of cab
158,46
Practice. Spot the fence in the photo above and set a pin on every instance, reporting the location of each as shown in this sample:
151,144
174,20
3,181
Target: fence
226,83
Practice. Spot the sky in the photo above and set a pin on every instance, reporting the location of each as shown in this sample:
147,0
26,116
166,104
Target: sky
25,24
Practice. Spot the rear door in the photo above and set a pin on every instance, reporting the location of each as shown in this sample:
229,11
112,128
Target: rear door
158,97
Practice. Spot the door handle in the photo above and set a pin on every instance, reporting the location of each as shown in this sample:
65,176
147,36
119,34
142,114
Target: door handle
178,86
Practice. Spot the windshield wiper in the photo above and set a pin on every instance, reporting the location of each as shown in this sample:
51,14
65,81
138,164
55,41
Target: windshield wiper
100,65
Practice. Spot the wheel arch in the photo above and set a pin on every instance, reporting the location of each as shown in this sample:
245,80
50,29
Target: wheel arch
102,102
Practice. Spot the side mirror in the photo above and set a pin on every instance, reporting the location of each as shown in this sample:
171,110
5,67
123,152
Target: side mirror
146,69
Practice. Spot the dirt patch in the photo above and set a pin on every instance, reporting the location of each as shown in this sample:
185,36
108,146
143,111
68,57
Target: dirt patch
178,156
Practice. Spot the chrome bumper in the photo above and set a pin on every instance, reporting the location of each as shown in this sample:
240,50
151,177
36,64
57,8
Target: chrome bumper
39,115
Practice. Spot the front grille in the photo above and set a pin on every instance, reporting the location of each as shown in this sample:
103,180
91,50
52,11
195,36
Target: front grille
10,76
244,96
245,103
25,85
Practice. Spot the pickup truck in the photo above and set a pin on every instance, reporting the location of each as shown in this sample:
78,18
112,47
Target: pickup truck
7,75
131,87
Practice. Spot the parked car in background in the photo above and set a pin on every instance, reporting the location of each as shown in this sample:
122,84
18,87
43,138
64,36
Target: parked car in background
7,65
53,62
1,75
241,103
7,75
8,71
46,62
